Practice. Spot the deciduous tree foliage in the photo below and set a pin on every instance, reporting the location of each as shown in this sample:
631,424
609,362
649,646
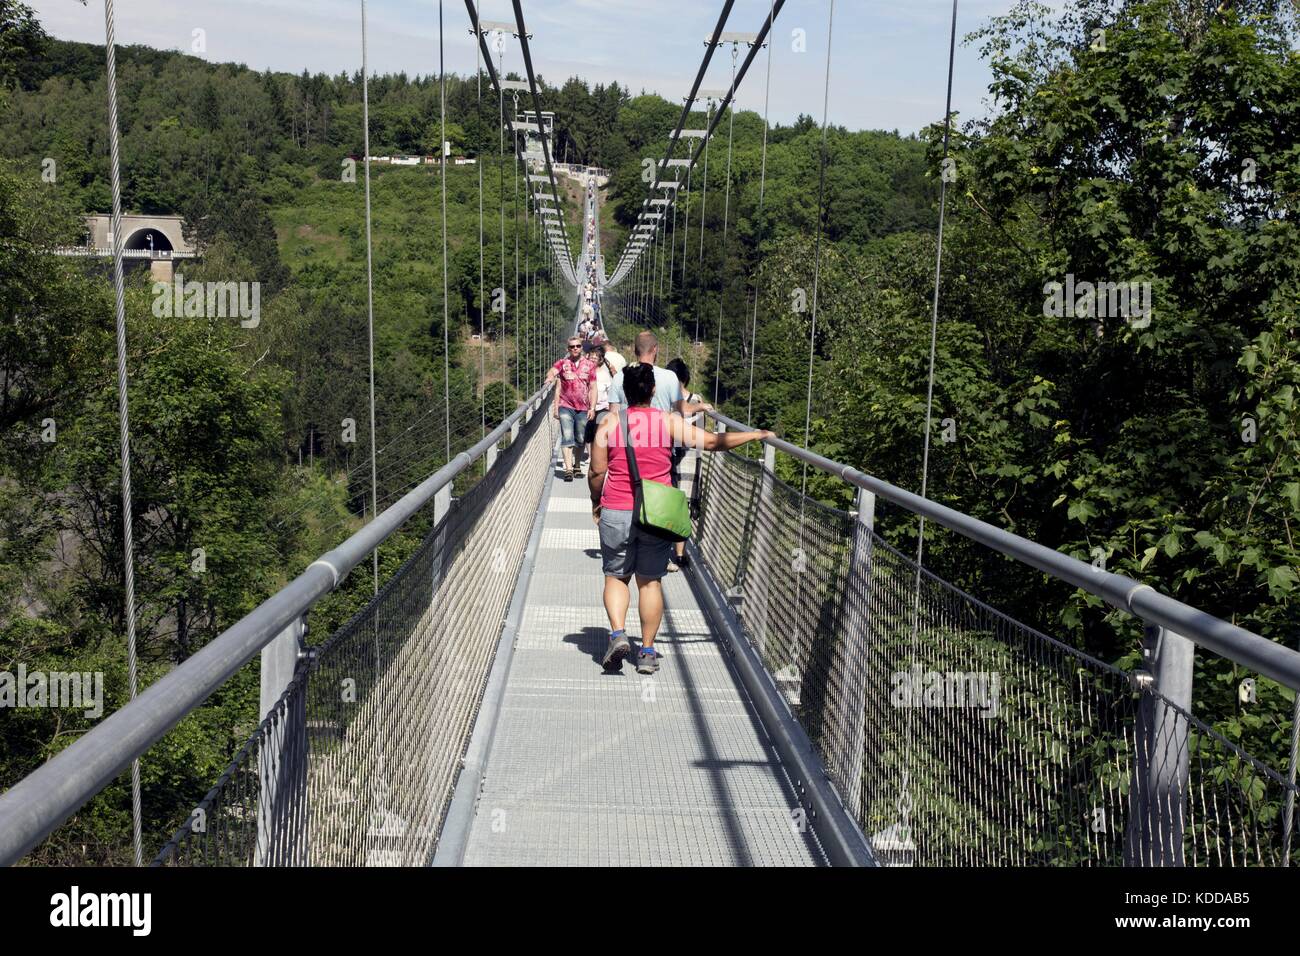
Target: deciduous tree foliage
1167,154
244,467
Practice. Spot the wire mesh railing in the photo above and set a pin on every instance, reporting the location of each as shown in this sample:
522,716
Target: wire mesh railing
958,736
356,763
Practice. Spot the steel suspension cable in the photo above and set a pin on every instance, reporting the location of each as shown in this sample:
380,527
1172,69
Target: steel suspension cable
528,316
493,74
123,409
726,215
817,254
699,78
370,285
762,189
775,8
704,205
482,287
654,262
934,310
501,189
567,263
663,250
672,242
905,793
656,243
514,229
446,314
686,223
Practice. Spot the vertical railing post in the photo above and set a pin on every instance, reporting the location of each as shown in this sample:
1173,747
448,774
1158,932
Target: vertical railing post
282,758
441,503
849,659
1161,764
758,593
441,508
699,477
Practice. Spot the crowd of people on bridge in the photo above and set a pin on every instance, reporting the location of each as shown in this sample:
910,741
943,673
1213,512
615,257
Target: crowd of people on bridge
606,405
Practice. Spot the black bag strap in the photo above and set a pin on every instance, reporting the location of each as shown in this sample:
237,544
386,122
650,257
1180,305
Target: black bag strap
697,481
634,473
632,469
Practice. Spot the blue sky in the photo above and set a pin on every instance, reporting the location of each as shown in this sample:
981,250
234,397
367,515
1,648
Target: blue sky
887,69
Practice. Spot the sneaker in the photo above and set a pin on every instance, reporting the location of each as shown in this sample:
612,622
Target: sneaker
684,561
672,567
619,646
647,661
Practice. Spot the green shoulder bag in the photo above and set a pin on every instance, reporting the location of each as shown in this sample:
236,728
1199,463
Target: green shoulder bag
659,509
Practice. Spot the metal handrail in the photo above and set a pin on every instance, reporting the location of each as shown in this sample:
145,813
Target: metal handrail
1228,640
35,806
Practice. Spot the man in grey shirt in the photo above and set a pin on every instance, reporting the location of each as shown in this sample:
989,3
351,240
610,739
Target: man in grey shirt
668,390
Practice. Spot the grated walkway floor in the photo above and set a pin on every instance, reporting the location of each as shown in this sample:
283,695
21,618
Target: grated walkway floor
588,768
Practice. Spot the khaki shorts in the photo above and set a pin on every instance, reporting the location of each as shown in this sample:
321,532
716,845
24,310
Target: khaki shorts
626,550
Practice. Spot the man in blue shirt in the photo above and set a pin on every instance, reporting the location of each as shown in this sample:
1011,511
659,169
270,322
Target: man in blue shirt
668,390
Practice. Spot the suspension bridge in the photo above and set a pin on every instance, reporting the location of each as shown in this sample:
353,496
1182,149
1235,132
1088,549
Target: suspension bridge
824,699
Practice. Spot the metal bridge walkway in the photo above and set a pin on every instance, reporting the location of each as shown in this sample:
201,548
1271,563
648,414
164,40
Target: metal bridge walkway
589,768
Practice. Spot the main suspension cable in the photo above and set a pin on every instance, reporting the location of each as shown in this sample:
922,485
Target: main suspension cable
710,46
774,10
567,262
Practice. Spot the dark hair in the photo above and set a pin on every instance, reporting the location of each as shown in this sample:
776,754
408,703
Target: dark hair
639,383
678,368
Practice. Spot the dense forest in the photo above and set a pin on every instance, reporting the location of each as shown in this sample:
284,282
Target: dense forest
250,446
1168,450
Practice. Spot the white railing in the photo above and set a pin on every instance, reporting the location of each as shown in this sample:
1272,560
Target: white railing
106,252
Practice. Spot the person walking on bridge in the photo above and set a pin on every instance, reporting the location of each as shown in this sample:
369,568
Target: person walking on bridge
628,550
679,368
668,390
574,373
608,364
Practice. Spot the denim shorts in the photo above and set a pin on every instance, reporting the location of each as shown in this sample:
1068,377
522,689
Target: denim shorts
573,424
626,550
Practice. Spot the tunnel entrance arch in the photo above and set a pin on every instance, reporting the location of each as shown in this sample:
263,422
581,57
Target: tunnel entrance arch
148,239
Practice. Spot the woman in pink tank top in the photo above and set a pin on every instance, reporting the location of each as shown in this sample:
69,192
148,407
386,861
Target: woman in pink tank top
648,429
625,548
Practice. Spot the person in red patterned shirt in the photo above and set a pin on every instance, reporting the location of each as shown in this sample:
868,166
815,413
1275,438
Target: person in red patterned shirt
572,403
